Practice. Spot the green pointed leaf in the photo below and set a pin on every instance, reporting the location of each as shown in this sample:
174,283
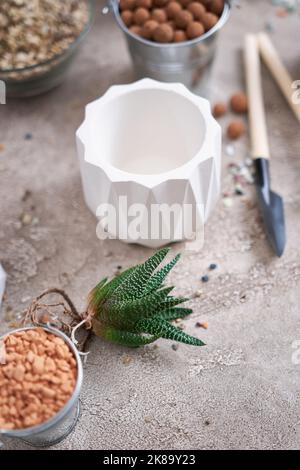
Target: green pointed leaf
172,302
174,313
158,278
127,338
165,330
134,285
129,312
105,289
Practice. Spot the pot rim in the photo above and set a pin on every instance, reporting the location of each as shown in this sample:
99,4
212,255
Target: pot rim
182,171
114,6
26,432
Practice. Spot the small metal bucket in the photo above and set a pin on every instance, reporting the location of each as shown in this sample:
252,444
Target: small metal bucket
187,62
60,426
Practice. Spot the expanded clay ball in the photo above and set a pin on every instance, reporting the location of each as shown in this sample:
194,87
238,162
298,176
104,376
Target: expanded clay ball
127,5
239,103
137,30
209,20
217,7
159,15
194,30
144,3
219,109
163,33
127,17
206,3
140,16
183,18
197,10
179,36
160,3
148,29
172,24
172,9
235,130
184,3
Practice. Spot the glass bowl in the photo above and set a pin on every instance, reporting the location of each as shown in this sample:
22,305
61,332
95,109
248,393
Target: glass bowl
39,78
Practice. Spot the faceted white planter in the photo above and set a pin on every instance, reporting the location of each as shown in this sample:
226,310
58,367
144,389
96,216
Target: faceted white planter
154,144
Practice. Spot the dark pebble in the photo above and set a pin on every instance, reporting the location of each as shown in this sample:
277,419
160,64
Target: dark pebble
207,423
26,195
204,278
239,192
213,266
175,347
28,136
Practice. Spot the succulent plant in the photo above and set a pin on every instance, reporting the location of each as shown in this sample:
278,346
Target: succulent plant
135,308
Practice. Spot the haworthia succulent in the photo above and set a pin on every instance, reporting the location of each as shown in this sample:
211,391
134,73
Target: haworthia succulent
134,309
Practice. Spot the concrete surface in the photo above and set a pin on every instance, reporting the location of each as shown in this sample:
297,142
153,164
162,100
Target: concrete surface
242,390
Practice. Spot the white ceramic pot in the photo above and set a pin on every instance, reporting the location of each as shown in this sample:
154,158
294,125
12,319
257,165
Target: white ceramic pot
145,148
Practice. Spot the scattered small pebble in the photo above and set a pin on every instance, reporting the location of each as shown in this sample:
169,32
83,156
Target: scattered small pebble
242,176
269,26
249,162
238,190
281,12
175,347
126,360
227,201
26,218
35,221
147,419
2,147
233,168
213,266
27,194
246,173
207,422
205,278
230,150
28,136
203,325
197,294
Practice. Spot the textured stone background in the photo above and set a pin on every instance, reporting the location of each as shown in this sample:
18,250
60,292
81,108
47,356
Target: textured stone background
242,390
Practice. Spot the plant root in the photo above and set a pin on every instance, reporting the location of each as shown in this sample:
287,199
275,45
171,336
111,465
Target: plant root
39,313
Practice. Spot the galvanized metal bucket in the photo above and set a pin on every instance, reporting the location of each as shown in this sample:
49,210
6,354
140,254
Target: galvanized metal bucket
188,62
59,427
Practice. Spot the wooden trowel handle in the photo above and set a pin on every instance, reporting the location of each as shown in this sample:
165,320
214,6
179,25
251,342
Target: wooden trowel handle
257,117
278,70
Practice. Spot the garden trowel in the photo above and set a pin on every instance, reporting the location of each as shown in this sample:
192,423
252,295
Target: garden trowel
271,204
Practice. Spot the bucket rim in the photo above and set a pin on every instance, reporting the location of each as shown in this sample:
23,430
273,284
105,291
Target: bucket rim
114,6
33,430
